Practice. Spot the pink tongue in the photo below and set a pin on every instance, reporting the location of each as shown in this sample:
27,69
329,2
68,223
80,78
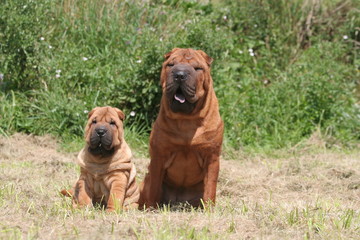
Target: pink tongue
179,97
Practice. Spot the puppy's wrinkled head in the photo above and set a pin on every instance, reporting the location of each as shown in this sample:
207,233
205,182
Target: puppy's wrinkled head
104,130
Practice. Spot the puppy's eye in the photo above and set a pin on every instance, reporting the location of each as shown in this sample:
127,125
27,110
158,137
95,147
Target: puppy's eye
112,123
198,69
94,121
170,65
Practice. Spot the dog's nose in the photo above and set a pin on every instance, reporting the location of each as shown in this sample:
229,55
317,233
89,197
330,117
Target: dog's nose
101,131
180,75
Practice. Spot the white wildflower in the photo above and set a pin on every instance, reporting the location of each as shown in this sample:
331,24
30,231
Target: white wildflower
345,37
132,113
57,75
188,21
50,46
42,38
138,61
85,59
86,111
58,71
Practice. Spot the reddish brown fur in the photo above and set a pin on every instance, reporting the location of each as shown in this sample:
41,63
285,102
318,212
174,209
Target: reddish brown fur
185,148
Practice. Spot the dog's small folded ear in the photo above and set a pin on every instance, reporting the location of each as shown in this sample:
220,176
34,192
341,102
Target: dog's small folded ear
92,112
120,114
208,59
167,55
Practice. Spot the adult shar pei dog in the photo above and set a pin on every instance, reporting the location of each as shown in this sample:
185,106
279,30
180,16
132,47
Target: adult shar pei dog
186,138
107,174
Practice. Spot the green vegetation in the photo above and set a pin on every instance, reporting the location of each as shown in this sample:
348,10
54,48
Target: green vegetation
282,69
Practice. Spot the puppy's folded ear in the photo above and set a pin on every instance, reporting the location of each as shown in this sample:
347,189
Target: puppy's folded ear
92,112
120,114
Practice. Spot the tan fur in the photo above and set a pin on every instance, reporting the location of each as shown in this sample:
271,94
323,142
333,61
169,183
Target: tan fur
185,148
106,179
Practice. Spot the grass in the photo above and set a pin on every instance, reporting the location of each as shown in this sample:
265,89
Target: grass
306,194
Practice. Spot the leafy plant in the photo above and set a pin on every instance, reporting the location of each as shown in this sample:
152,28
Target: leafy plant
281,69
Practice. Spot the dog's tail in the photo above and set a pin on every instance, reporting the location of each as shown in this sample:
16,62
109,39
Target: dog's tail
67,193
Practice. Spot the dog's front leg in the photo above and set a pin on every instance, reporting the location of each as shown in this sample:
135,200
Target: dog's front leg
210,180
82,195
151,190
118,186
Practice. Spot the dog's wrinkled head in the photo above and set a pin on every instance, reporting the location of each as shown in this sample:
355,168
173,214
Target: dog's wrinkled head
104,130
185,78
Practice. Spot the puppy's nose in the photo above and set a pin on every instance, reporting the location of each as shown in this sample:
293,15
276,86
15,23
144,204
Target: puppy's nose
180,75
101,131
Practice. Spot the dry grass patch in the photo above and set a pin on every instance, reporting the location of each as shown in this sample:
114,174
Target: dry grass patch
306,195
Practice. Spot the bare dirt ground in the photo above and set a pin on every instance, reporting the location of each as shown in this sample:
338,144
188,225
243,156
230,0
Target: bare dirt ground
306,195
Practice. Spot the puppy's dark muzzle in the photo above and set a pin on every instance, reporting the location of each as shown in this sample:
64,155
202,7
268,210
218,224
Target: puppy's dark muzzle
101,137
101,131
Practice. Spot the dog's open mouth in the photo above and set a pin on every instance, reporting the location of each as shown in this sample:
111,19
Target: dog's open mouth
179,96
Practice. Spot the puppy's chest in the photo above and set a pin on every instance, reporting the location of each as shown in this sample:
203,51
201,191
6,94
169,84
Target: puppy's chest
99,185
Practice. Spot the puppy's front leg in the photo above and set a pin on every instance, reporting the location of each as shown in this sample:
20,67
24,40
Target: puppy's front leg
82,195
118,183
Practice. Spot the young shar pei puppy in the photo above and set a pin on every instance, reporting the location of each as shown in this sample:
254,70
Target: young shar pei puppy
186,138
107,173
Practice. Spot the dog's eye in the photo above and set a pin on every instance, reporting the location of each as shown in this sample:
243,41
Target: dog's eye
198,69
112,123
170,65
94,121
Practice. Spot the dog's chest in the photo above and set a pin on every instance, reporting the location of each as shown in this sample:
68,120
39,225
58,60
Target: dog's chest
184,168
99,187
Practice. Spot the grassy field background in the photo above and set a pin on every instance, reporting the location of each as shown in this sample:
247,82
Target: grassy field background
286,74
308,193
